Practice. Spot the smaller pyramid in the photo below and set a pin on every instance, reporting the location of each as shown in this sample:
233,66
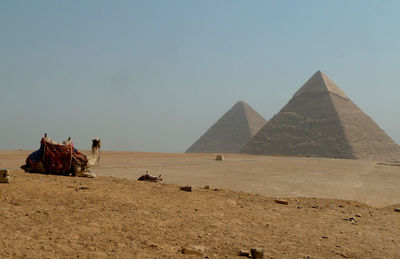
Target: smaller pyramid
231,132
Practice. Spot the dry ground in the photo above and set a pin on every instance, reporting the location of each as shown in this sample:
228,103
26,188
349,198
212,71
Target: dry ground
364,181
45,216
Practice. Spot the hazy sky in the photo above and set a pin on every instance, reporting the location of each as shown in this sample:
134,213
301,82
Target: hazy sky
155,75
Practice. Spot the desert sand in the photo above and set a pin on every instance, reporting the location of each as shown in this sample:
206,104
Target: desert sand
337,208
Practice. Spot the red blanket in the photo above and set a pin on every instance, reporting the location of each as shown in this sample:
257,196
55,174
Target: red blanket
57,159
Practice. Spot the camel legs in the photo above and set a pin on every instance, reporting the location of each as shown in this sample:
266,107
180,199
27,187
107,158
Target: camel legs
77,170
36,168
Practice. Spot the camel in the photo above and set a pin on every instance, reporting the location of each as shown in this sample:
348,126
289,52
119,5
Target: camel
76,169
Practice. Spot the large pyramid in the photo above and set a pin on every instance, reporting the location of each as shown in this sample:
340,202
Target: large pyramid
231,132
321,121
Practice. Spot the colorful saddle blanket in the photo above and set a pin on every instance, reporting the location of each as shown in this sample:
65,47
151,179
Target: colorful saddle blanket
57,158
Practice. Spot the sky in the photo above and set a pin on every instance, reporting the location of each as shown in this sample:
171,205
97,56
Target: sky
155,75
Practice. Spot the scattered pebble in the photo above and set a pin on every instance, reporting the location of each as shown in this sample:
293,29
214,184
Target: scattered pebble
155,246
5,176
279,201
199,248
192,251
81,188
257,253
350,219
219,158
244,253
342,255
186,188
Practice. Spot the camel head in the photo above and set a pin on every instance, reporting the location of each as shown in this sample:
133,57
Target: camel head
96,143
95,153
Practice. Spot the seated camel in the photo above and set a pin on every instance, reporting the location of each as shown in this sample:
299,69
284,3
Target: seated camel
62,158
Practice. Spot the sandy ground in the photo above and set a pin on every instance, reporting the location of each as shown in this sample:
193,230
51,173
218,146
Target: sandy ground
46,216
364,181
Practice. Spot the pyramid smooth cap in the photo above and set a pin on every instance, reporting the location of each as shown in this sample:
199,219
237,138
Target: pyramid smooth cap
319,82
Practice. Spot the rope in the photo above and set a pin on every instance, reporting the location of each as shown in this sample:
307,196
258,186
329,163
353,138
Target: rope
98,164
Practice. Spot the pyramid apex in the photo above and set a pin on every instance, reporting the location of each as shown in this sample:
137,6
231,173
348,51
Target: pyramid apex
241,102
320,82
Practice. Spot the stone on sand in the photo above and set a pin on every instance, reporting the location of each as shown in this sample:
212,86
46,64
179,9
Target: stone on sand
280,201
5,176
194,250
219,158
186,188
244,253
257,253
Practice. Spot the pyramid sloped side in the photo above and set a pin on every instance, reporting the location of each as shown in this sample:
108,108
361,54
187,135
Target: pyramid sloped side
332,87
254,120
307,126
366,138
228,135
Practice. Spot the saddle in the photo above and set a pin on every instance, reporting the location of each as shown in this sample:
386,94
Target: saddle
57,157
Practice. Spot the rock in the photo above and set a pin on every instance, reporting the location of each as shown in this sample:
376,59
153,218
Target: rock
186,188
219,158
279,201
188,251
81,188
206,187
397,209
244,253
358,215
325,237
5,176
198,248
257,253
351,219
155,246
